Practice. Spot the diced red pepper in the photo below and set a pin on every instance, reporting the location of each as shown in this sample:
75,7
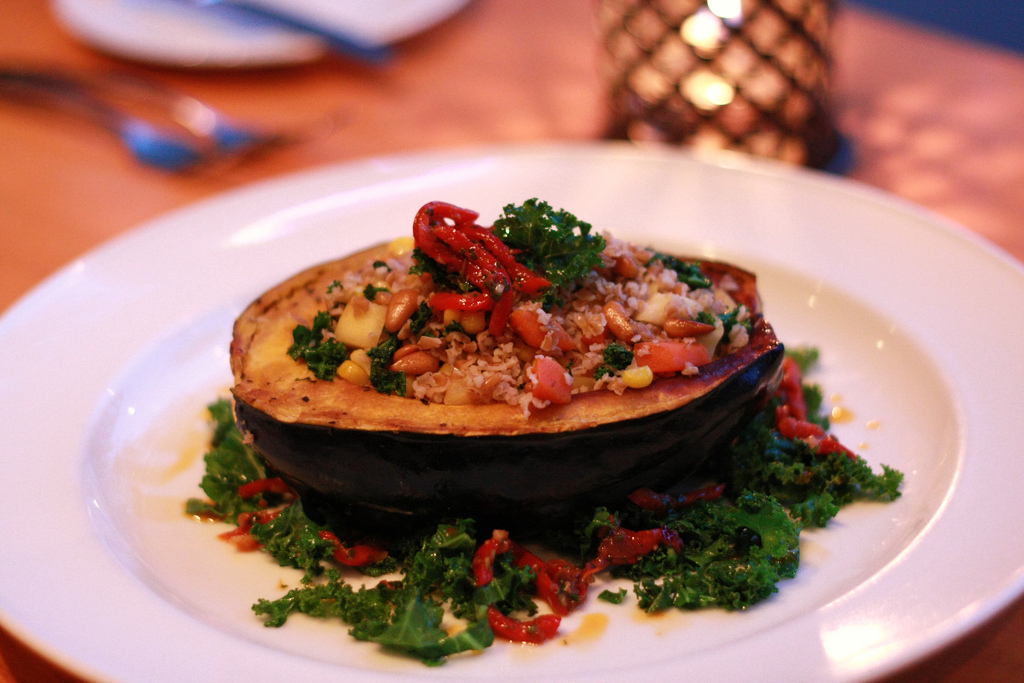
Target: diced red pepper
535,631
551,384
670,356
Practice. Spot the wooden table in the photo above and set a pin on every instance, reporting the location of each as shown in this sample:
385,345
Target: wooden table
934,120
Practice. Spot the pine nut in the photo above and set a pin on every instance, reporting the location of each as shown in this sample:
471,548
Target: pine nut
618,322
417,363
625,266
680,327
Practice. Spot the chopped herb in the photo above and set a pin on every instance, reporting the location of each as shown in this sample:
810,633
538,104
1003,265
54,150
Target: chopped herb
706,318
553,243
616,359
336,285
688,271
615,598
381,264
454,326
383,379
370,291
323,355
420,318
618,356
805,356
730,320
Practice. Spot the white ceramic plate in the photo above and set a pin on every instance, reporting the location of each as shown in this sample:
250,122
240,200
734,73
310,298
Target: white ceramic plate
105,370
170,32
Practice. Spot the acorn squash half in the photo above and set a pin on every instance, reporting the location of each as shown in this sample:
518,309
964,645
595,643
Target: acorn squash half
385,459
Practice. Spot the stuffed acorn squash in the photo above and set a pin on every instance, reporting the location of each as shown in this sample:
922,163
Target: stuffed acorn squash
509,373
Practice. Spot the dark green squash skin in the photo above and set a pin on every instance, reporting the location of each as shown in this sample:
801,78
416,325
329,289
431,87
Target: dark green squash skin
402,478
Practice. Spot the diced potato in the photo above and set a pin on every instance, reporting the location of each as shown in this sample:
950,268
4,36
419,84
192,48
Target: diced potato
710,340
459,393
361,324
725,298
655,309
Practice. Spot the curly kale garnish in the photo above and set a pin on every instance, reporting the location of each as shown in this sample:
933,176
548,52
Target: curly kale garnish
323,355
553,243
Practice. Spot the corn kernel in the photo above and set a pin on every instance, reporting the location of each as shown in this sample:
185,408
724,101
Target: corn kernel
402,245
452,315
353,372
362,359
637,377
474,322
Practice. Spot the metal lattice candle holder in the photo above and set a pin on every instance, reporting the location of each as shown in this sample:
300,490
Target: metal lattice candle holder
749,75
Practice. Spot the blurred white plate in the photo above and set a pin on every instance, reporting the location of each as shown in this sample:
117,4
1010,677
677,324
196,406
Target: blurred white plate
171,32
105,370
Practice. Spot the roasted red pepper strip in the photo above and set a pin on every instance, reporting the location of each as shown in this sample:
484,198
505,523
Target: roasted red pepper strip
535,631
353,556
791,416
823,442
241,537
791,389
483,559
525,279
271,485
479,266
427,219
623,546
560,584
471,301
499,316
660,504
477,254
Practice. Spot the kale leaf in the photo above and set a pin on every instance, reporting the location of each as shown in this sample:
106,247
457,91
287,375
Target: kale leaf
814,487
553,243
323,356
416,630
383,379
734,555
230,463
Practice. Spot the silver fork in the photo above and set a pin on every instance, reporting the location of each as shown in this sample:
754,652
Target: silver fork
200,135
150,144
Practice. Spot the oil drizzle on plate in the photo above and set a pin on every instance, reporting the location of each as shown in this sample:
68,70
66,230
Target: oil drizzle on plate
592,628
